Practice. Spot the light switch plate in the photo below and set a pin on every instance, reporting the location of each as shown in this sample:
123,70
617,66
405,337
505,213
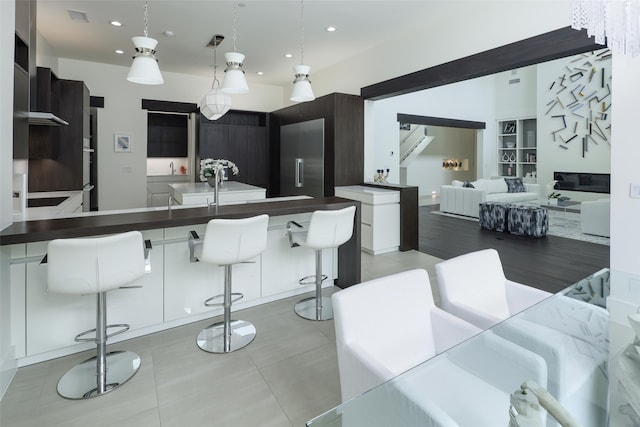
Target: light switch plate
634,190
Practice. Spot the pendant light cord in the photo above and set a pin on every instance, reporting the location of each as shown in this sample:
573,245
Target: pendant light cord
146,19
301,32
235,24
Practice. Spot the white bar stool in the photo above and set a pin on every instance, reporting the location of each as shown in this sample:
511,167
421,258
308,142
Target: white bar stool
327,229
95,266
228,242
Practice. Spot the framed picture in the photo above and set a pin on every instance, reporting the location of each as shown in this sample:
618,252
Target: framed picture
121,143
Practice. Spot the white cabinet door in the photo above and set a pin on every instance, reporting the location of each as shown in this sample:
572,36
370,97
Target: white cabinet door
53,320
188,285
283,266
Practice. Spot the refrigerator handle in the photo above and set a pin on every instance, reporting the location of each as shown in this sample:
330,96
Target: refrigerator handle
299,172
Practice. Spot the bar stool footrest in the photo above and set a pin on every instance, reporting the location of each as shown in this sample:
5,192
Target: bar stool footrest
124,328
311,280
208,302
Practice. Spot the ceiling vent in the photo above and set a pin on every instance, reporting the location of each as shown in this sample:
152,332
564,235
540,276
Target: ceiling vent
78,15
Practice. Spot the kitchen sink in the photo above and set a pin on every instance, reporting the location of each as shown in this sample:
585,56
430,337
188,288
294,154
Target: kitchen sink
45,201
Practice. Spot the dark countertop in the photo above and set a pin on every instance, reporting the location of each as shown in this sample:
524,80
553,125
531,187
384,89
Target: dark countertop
82,226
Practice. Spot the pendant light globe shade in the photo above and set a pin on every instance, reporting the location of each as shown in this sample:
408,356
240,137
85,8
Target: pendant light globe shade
215,104
302,91
234,81
144,69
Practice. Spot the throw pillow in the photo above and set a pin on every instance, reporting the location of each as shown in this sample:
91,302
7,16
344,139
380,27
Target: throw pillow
467,184
515,185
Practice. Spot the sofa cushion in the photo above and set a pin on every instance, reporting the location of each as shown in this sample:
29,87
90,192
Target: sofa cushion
496,186
457,183
480,184
515,185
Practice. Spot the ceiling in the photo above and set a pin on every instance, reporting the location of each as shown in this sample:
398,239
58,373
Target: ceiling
266,30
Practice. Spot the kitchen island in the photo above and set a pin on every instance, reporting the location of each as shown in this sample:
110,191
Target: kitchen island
44,324
202,193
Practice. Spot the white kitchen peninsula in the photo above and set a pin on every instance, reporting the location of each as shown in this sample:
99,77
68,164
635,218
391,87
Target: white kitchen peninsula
202,193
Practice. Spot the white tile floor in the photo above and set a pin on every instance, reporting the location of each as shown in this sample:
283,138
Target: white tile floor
287,376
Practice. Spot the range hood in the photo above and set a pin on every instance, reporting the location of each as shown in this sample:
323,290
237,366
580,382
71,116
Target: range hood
45,119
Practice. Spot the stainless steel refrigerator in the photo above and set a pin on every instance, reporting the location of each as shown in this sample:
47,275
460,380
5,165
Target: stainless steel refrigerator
302,158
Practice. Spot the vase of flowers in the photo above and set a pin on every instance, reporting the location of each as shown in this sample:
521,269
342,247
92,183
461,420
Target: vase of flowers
210,169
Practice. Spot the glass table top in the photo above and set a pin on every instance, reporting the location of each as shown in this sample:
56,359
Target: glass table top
570,344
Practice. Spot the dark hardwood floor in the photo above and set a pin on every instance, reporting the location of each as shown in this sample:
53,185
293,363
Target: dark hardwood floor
550,263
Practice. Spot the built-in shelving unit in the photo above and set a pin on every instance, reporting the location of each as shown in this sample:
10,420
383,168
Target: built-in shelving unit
517,148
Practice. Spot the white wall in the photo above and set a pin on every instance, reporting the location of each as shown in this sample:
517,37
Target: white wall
550,156
449,143
468,100
45,56
7,30
122,176
516,99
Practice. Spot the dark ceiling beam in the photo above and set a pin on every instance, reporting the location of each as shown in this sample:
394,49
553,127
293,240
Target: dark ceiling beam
544,47
440,121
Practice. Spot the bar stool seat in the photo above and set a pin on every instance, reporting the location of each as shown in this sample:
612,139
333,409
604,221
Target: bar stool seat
228,242
327,229
85,266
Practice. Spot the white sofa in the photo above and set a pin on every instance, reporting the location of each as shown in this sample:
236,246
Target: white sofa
461,200
595,217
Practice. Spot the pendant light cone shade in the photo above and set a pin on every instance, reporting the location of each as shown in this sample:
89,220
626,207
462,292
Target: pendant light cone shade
144,69
234,81
215,104
302,91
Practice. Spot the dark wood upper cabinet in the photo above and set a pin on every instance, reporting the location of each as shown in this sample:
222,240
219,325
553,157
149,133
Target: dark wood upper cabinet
241,137
167,135
56,152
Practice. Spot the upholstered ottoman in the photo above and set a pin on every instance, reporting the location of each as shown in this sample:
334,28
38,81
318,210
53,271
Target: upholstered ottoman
529,221
493,215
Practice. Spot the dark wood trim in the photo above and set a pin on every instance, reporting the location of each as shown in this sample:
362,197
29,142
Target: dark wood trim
544,47
169,106
409,229
96,101
440,121
349,269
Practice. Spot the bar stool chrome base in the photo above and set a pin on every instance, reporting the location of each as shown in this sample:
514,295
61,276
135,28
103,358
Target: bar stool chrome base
82,382
211,338
307,308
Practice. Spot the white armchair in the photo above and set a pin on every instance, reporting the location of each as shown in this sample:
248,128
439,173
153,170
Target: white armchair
595,217
473,287
388,325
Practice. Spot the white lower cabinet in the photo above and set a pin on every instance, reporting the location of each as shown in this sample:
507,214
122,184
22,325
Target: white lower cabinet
187,285
172,294
53,320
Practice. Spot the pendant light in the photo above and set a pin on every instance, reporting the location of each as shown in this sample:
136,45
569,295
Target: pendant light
234,81
144,69
302,91
215,103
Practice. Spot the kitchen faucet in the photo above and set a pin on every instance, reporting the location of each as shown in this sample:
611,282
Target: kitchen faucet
173,170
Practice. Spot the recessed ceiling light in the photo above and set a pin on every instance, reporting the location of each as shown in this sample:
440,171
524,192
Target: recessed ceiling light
119,51
116,23
288,55
168,33
330,29
260,73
